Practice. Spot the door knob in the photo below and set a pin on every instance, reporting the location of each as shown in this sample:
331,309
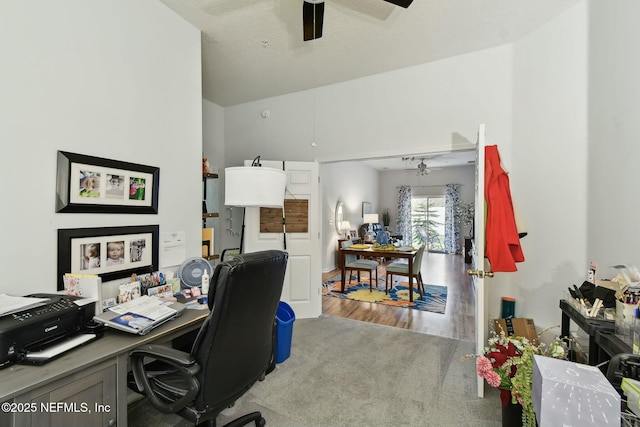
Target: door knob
479,273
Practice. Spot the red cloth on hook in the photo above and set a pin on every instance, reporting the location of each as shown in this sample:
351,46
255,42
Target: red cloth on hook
502,241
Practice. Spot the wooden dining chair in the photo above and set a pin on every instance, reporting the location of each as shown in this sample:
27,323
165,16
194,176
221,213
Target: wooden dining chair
402,269
352,262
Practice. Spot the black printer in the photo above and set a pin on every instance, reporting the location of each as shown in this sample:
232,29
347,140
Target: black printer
42,326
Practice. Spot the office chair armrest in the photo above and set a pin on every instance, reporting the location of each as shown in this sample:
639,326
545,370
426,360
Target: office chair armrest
183,363
166,354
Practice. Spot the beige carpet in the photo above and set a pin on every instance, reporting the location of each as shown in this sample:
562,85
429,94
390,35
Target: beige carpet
348,373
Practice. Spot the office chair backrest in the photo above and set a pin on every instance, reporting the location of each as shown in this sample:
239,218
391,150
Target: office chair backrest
235,344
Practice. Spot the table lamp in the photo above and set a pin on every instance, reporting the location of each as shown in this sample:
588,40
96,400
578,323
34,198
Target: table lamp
254,186
345,226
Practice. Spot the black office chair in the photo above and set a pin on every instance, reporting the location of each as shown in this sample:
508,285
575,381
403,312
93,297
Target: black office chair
233,350
228,254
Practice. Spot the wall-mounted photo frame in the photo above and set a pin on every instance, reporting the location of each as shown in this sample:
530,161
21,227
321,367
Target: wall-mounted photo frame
109,252
89,184
367,208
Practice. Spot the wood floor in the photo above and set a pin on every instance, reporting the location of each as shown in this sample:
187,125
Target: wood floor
437,269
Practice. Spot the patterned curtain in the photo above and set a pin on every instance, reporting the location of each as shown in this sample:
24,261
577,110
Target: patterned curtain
403,222
452,220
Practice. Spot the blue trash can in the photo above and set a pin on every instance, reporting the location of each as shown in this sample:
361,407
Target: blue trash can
284,319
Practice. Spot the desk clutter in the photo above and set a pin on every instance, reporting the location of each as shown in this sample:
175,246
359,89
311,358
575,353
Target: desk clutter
185,285
600,298
35,329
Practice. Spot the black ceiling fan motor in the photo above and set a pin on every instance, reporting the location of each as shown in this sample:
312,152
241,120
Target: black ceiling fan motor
313,17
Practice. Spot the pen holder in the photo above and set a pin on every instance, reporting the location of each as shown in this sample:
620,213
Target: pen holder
625,318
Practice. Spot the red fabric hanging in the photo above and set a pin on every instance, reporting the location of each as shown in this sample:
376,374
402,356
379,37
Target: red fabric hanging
502,241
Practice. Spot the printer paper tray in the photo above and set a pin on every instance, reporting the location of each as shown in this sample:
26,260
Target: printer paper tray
50,352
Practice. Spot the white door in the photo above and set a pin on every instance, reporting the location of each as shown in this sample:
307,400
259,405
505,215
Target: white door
302,286
478,269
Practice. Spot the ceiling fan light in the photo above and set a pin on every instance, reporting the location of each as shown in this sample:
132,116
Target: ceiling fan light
422,168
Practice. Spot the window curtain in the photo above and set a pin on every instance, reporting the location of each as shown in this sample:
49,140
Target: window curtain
403,221
452,220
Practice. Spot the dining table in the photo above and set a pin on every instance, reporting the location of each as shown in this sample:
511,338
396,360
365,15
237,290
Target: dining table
368,251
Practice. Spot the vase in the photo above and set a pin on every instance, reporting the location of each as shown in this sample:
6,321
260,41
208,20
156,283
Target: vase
512,415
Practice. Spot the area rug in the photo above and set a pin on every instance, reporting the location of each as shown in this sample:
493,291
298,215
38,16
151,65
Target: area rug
434,299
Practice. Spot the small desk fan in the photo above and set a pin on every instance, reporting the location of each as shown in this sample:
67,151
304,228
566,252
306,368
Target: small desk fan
191,271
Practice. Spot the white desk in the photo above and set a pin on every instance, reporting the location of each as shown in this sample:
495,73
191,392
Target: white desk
86,386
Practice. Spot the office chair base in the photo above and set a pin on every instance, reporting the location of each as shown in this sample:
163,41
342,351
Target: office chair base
246,419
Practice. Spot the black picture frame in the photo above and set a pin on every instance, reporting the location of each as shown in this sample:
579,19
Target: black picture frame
88,184
140,255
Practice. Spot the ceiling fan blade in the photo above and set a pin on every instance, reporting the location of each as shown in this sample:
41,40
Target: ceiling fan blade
402,3
312,18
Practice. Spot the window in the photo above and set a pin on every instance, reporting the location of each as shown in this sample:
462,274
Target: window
427,219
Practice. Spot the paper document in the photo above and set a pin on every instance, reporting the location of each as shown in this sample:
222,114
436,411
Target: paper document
146,306
10,304
140,315
173,249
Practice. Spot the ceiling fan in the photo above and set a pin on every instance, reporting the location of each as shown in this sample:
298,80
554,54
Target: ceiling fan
313,16
422,166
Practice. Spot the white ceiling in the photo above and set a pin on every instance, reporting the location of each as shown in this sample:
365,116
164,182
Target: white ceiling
253,49
433,161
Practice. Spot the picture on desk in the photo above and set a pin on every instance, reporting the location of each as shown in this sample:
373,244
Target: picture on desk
133,320
110,252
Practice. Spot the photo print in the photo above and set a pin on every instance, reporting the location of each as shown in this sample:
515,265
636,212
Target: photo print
89,184
137,250
90,256
136,188
97,185
115,252
120,251
115,186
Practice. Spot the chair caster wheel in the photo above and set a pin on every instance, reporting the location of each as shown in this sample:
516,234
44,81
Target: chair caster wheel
261,422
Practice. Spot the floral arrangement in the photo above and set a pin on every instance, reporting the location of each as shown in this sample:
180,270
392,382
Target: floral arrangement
507,364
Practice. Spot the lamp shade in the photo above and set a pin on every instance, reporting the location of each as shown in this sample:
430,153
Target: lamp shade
370,218
254,186
346,225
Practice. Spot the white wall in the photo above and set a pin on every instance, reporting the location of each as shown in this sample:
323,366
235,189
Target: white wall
413,110
108,78
614,130
351,183
213,149
547,162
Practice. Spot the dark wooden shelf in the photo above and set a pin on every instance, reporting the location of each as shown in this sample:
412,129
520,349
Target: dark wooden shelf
210,215
212,257
209,175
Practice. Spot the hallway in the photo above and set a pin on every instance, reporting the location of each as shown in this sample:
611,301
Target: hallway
437,269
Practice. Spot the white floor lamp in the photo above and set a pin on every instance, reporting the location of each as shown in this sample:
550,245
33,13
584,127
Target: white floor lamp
254,186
